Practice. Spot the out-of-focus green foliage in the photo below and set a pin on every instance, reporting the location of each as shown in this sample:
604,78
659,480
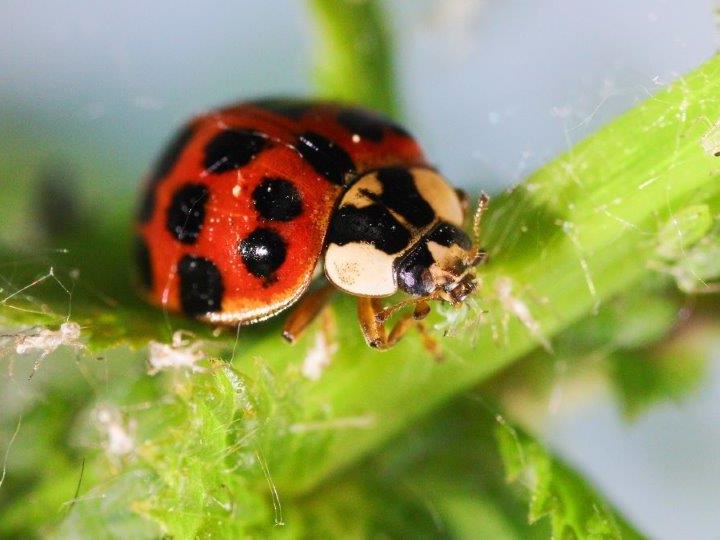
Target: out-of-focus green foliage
555,491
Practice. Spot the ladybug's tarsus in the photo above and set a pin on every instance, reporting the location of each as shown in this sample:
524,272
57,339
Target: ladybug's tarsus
372,322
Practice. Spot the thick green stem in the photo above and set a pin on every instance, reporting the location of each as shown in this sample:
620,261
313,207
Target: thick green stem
574,234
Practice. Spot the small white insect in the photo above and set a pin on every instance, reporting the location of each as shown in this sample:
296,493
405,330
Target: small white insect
47,341
180,354
118,432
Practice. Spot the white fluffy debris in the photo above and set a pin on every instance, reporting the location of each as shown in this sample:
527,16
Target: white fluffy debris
319,356
119,434
47,341
180,354
512,304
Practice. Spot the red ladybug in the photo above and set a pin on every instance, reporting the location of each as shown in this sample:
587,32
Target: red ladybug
249,204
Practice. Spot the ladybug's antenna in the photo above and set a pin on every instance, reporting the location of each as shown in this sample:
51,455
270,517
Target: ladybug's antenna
479,211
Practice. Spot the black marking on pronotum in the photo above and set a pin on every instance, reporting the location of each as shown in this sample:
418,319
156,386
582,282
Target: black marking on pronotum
201,286
277,199
325,156
292,108
162,168
400,194
446,235
144,265
371,224
412,269
232,149
263,252
186,213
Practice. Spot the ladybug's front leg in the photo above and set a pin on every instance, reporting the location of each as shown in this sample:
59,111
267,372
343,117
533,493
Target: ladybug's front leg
373,316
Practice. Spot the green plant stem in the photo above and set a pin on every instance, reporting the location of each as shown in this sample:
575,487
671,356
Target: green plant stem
354,61
574,234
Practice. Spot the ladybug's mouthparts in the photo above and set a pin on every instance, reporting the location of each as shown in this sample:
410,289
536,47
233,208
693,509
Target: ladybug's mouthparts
462,289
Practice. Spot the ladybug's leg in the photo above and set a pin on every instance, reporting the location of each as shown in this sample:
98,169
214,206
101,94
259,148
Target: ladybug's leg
370,312
429,342
305,312
373,317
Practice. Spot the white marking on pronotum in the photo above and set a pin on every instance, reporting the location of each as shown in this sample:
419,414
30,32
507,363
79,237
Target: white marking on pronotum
512,304
180,354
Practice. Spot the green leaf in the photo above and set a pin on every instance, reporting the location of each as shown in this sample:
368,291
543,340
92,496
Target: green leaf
553,490
671,370
206,474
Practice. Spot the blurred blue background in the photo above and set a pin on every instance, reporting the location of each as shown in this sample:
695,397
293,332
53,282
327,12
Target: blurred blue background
493,89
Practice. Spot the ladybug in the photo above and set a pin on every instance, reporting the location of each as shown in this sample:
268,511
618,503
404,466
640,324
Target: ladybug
251,203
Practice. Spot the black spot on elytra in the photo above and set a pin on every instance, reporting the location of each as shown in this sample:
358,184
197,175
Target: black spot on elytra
371,224
364,124
162,168
291,108
325,156
399,130
201,286
147,204
144,265
367,124
263,252
401,195
232,149
277,199
186,213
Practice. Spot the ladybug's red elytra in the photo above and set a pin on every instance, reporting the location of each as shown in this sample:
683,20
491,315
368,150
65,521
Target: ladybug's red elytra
248,203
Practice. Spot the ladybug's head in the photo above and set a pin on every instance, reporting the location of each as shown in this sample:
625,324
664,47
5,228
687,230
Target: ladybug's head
441,265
